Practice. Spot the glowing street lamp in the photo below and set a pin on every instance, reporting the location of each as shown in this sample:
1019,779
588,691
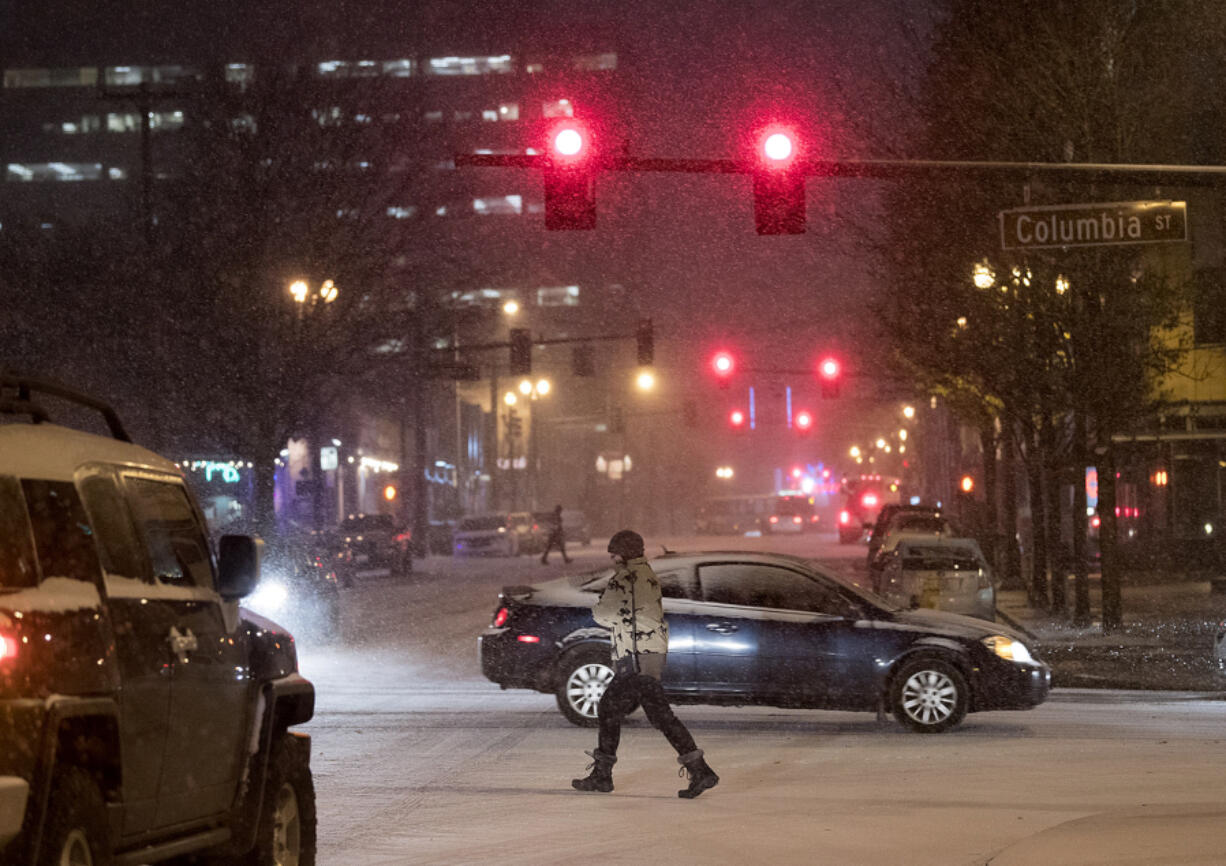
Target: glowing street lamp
511,307
908,412
509,398
645,381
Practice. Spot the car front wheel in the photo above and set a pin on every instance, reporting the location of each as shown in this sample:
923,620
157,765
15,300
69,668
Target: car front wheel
583,677
929,695
286,834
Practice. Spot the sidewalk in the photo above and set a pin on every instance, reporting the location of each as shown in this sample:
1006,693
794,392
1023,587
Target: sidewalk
1167,640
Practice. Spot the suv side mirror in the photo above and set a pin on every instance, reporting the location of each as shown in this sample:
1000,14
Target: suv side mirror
239,565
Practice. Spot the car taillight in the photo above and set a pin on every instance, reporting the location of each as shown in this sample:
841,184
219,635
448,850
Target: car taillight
869,500
528,638
813,519
844,517
774,518
8,648
796,519
404,537
501,617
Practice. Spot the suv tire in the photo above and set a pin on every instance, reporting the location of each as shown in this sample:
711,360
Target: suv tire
76,832
286,834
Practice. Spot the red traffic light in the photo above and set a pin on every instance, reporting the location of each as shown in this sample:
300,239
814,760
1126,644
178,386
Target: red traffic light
570,142
829,368
967,484
804,421
777,146
723,364
736,418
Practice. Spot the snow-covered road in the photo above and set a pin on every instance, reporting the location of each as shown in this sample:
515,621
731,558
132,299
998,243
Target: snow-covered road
418,759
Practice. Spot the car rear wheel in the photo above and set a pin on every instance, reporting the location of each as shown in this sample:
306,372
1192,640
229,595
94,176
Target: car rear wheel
583,677
929,695
286,835
76,829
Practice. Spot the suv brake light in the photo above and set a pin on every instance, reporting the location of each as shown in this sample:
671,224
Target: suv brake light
774,518
501,617
8,648
844,517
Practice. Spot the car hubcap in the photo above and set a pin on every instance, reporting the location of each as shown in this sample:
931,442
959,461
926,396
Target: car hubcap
586,686
929,697
76,850
286,838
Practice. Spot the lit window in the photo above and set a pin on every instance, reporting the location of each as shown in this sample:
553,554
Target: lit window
558,108
477,298
243,123
499,205
398,68
445,165
433,116
508,111
441,210
54,171
596,62
77,76
347,69
115,173
85,124
558,296
489,114
128,121
118,76
500,63
534,68
402,213
363,119
463,115
331,116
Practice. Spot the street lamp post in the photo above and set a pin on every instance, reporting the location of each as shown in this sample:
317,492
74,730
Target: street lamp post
306,301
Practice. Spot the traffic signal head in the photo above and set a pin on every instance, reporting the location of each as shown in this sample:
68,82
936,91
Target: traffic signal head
570,179
804,421
737,419
830,371
966,484
723,364
645,340
521,352
778,184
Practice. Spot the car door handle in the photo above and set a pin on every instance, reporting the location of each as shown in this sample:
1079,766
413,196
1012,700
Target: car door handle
722,627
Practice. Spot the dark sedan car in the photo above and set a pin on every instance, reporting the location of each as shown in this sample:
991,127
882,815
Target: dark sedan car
753,628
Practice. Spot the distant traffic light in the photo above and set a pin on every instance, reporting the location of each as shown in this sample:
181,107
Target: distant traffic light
736,418
830,371
803,421
521,352
645,340
966,485
570,179
778,185
724,366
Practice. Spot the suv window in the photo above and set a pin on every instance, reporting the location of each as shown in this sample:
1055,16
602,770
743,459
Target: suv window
754,585
17,567
62,533
482,524
177,547
118,545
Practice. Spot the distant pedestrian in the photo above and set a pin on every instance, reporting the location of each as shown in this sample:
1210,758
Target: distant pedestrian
557,537
632,607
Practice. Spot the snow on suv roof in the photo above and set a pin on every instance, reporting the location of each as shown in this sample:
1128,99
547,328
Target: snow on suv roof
55,453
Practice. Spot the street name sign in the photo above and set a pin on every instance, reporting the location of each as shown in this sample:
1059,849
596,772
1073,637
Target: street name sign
1091,225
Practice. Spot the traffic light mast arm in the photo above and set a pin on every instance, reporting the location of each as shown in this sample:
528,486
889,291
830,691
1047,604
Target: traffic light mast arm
1144,174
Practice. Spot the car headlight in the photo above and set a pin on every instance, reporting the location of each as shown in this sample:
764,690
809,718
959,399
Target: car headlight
269,597
1008,648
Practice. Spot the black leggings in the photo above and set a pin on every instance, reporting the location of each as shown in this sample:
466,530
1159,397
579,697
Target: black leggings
624,691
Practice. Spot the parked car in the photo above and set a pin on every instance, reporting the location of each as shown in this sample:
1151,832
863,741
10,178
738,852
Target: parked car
911,526
143,714
949,574
888,515
757,628
486,535
375,541
531,533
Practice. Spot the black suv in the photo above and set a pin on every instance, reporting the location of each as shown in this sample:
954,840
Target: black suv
143,714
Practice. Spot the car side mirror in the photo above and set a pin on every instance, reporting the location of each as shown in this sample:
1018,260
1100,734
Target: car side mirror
238,568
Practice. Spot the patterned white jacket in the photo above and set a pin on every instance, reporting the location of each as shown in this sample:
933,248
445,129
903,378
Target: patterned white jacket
632,607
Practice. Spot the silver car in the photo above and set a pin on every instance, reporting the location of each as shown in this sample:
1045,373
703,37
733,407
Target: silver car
949,574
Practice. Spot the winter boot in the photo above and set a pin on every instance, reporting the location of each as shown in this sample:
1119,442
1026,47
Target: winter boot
701,776
601,777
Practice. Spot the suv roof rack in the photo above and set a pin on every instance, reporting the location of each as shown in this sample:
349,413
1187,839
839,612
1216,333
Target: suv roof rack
22,404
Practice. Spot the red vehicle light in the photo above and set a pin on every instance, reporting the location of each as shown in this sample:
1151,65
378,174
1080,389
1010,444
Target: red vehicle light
501,617
8,648
528,638
844,517
404,537
813,519
869,500
797,519
774,518
1095,521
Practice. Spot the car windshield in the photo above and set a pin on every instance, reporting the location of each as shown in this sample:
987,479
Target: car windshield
483,524
921,523
939,558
